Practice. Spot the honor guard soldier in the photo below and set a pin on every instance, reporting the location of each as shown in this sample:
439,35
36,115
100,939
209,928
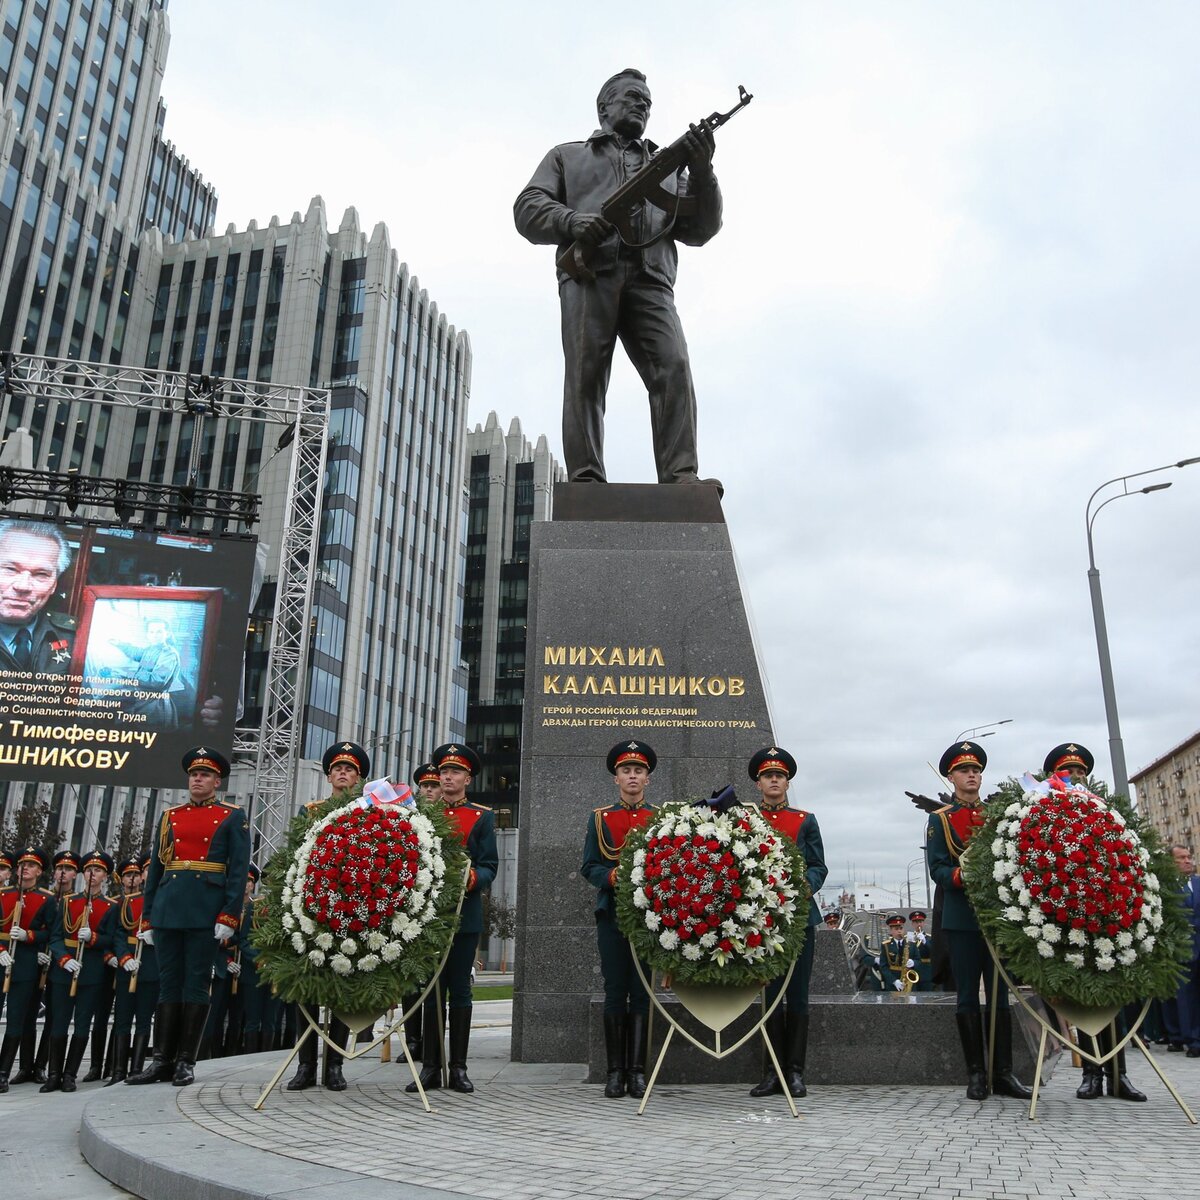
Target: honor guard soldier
772,770
428,781
192,904
7,865
1074,762
948,834
259,1007
457,765
895,956
64,870
921,949
26,913
136,972
77,971
626,1004
346,764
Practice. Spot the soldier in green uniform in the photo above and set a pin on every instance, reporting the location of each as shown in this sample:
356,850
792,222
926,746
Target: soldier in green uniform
135,969
64,871
895,956
26,913
772,770
346,765
1074,762
77,971
626,1004
949,831
921,949
192,905
457,765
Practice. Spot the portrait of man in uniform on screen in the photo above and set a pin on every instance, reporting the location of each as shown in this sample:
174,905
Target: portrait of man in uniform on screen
34,635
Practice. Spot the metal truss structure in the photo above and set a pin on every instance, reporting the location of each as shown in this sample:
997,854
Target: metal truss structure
304,414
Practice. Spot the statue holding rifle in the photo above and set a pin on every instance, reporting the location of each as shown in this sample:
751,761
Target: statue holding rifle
615,205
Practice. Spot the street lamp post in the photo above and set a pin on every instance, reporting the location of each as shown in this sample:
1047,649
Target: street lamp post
908,881
976,728
1116,748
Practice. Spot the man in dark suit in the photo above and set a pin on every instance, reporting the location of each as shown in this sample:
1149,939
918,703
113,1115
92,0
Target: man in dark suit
1182,1015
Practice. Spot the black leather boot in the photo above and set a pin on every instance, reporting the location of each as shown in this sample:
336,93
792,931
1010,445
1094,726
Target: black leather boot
191,1029
1004,1082
8,1054
97,1068
57,1051
306,1066
161,1067
74,1057
137,1053
29,1071
431,1049
460,1038
120,1058
1119,1084
614,1050
970,1034
334,1080
769,1084
796,1049
636,1030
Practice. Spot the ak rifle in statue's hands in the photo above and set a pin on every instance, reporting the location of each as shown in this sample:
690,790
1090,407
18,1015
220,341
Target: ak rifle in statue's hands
646,186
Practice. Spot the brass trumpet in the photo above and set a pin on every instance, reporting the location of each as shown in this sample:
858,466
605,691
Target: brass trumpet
911,979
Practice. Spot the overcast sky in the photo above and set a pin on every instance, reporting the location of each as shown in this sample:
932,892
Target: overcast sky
955,292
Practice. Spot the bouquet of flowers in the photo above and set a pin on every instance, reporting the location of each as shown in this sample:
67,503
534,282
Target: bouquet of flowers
1069,887
361,904
711,896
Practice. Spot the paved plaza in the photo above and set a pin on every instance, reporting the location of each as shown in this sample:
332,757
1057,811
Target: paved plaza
539,1133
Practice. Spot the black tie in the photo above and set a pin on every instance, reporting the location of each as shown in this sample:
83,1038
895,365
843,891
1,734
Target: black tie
23,649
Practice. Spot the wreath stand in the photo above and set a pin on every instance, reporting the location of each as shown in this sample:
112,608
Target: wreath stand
715,1006
357,1022
1091,1021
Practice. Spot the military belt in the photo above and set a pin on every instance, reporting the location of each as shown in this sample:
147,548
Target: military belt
193,864
71,943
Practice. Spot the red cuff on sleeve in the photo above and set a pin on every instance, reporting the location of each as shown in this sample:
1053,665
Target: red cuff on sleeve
612,878
956,878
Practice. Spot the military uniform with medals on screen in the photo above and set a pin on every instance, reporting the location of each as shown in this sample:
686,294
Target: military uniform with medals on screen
626,1004
192,905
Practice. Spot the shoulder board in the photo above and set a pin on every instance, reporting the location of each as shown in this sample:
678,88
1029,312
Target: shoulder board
481,807
61,620
45,892
944,809
229,804
603,808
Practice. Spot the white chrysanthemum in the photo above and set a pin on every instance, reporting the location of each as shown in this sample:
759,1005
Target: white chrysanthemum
1031,932
998,846
410,933
1073,960
1116,816
706,829
653,921
368,962
439,867
1051,934
1105,962
286,895
1148,943
1155,920
745,911
691,953
1013,809
390,951
307,926
1077,937
1012,913
729,928
289,922
375,939
1005,894
640,900
316,958
424,880
1140,930
1045,949
1126,957
709,940
1103,947
1124,939
1036,916
348,946
400,922
324,940
298,943
639,857
637,876
341,964
740,849
668,939
1152,882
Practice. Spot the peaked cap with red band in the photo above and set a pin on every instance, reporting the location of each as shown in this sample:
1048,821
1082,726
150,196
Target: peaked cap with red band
34,854
201,758
963,754
98,858
1069,754
631,751
346,752
771,759
426,773
455,754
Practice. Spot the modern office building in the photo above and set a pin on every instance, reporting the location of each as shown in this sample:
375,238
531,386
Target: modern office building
108,253
1168,794
510,485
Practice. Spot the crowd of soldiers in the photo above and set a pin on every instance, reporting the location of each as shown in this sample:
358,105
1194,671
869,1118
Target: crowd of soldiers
161,945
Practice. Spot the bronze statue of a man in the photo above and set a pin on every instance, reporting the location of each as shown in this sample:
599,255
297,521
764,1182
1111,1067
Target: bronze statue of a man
631,294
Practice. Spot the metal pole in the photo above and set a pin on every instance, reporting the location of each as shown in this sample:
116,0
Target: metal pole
1116,748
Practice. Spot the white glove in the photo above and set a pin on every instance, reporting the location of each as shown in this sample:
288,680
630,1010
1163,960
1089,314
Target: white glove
111,962
19,934
147,936
131,965
897,985
235,969
5,959
222,932
910,964
85,933
878,963
43,958
73,965
909,936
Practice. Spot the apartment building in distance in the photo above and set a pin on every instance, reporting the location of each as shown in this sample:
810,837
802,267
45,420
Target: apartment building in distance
1168,794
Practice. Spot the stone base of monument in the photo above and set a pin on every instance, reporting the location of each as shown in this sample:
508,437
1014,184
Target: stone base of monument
867,1037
